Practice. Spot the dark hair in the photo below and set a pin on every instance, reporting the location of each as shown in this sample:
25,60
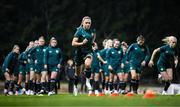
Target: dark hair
140,37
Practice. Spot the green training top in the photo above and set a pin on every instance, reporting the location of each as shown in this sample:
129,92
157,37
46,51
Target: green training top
82,34
39,54
114,56
53,56
11,61
136,54
167,54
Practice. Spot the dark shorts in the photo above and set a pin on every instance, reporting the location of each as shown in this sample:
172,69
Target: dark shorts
39,68
30,67
80,57
95,69
116,68
13,70
125,69
53,68
135,67
105,70
23,69
163,66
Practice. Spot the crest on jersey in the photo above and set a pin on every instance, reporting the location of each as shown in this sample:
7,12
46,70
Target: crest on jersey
112,52
119,52
38,50
44,50
136,48
50,51
57,51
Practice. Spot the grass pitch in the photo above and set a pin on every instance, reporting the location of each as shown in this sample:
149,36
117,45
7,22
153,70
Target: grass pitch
83,100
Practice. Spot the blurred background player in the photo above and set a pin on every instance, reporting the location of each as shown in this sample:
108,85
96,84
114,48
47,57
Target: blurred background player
96,70
10,69
125,69
70,70
102,56
31,66
52,63
114,58
41,73
138,55
167,61
22,69
83,41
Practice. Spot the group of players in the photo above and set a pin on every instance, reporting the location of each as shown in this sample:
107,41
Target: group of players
117,59
41,64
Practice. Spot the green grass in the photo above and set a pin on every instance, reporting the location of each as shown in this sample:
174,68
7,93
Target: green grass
84,100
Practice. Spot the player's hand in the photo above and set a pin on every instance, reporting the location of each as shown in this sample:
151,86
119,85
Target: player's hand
7,70
151,63
85,41
110,68
28,61
25,62
105,62
59,66
122,65
143,63
35,61
45,66
176,63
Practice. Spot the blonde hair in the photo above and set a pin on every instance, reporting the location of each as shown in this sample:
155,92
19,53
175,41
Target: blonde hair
84,18
42,37
104,42
70,61
167,39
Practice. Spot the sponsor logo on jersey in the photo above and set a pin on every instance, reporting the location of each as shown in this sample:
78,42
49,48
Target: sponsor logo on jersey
50,51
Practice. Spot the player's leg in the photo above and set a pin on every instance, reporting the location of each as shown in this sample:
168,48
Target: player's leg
7,82
43,82
87,70
52,82
133,80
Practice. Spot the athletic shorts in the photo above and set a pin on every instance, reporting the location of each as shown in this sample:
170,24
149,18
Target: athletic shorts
95,69
116,69
80,57
39,68
135,67
105,70
163,66
53,68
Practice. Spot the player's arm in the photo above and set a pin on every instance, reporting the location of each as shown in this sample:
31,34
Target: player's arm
45,58
75,42
151,62
147,57
100,58
7,62
60,58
